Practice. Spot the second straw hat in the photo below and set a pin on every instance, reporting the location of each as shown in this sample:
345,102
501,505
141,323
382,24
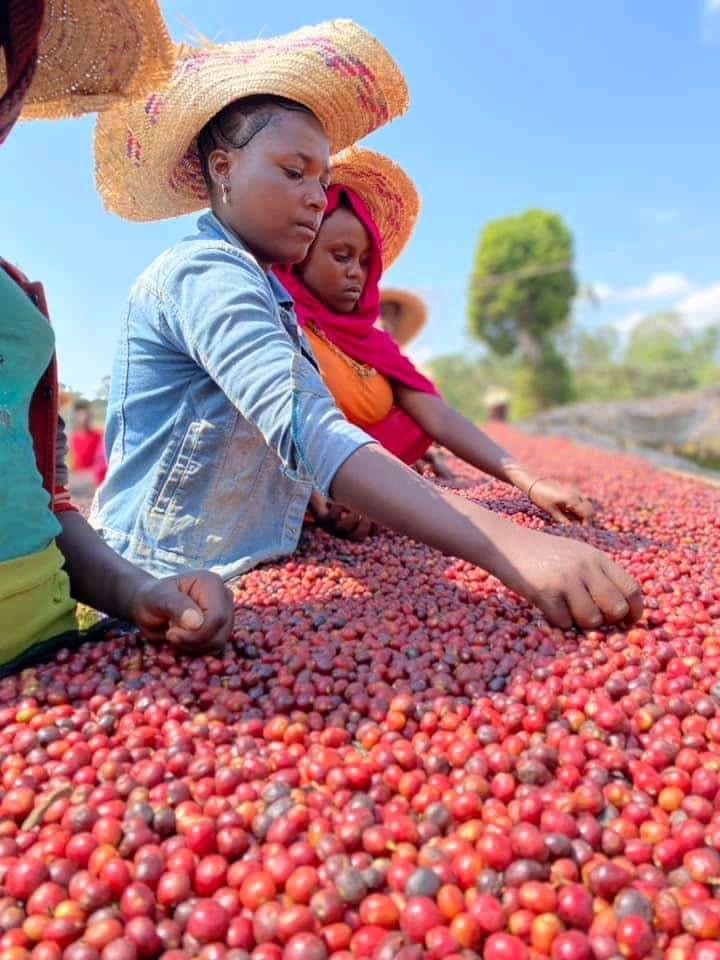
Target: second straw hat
92,53
412,313
386,190
147,162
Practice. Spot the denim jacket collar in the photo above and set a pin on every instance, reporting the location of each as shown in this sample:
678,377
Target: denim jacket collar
211,225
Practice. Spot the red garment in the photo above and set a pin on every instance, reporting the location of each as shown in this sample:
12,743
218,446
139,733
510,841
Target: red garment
44,407
86,447
83,447
20,25
357,336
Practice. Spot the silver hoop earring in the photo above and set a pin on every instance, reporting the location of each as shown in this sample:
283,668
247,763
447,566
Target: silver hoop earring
225,193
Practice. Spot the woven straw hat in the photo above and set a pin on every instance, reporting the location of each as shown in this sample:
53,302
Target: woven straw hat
93,52
147,161
496,396
387,191
412,315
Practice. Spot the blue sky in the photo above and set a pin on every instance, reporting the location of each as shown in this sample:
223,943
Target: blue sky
605,112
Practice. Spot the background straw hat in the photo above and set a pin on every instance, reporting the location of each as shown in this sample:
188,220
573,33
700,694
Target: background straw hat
387,191
496,396
147,161
93,52
412,315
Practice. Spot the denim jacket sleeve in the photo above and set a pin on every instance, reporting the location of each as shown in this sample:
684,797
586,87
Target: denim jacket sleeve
223,314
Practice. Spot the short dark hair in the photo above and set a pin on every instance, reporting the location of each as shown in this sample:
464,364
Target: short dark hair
237,123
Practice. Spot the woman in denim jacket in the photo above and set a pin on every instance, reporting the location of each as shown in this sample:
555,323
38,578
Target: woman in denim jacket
220,425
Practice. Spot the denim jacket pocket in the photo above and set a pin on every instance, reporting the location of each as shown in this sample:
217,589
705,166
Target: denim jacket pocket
185,461
305,383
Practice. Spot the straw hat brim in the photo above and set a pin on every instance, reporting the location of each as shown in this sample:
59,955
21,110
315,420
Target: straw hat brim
413,312
92,53
386,190
496,396
147,162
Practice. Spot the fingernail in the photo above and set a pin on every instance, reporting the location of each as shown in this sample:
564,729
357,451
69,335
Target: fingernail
191,619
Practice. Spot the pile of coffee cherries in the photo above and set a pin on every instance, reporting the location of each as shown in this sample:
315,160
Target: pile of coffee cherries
396,758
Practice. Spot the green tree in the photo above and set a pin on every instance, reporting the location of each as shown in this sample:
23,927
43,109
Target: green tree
664,352
659,339
593,348
520,296
661,356
598,375
548,382
706,356
464,380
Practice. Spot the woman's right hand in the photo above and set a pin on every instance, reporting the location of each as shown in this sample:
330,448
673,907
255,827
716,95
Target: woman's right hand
571,582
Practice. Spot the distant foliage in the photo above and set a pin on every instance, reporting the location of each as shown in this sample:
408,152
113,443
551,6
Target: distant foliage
521,291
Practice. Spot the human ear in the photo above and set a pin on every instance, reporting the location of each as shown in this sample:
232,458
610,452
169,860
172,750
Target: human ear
219,166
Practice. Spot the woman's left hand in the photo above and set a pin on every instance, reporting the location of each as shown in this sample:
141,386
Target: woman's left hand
338,520
563,501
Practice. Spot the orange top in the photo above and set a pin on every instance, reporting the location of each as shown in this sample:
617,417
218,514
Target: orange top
364,395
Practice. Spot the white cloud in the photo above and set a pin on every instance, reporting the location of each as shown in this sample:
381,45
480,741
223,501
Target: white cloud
711,21
626,323
698,309
660,286
420,353
702,307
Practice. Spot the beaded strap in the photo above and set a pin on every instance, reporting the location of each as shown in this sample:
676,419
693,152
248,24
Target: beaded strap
361,369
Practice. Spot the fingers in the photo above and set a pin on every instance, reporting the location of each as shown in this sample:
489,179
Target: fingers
610,599
345,523
557,514
565,504
332,513
584,607
318,505
628,587
363,529
212,598
193,612
556,610
348,522
215,632
581,507
174,605
191,646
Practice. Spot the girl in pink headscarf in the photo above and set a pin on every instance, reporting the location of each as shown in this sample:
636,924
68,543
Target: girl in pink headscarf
336,294
337,302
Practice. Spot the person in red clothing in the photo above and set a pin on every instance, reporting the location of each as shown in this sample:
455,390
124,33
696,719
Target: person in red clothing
86,443
62,60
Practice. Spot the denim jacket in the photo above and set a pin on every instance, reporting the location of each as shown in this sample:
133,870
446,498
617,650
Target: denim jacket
219,425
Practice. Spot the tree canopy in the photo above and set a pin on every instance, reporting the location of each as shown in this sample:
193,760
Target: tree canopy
522,284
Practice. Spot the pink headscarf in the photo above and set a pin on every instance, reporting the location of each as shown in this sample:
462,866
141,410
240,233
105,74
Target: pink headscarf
357,336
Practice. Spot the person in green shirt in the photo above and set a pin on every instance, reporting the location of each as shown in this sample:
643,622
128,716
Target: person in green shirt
49,555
